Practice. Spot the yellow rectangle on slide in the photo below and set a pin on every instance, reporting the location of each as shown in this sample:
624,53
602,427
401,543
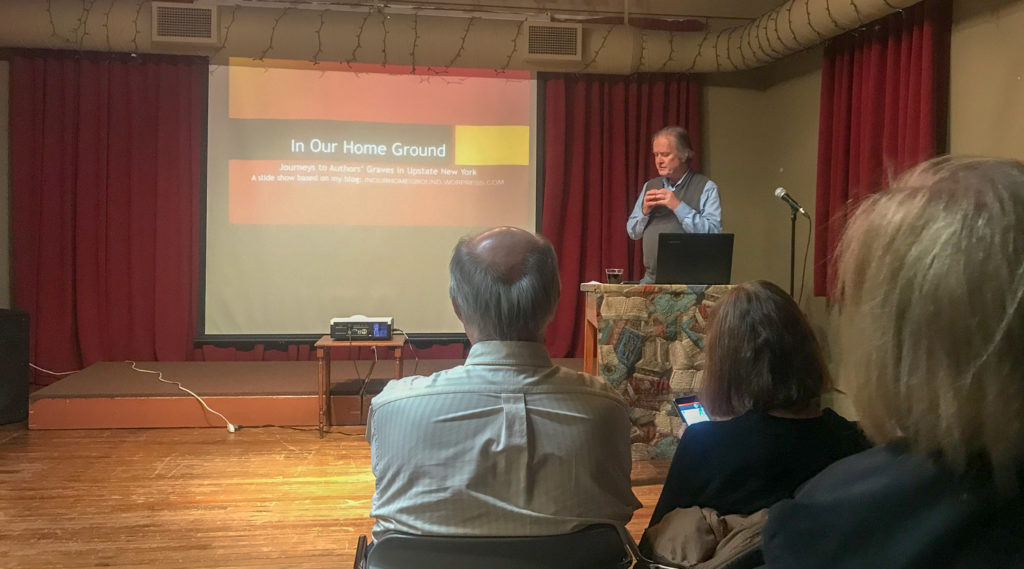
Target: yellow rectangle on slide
492,145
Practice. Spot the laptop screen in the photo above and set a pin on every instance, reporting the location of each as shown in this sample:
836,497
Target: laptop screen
694,258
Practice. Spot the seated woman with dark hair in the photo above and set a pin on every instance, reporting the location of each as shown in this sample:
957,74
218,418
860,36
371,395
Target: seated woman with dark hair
764,376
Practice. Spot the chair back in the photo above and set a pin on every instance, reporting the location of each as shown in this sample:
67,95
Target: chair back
594,547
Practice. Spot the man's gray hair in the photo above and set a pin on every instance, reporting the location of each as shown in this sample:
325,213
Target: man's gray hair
680,137
496,307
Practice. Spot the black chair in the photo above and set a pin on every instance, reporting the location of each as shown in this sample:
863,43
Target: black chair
593,547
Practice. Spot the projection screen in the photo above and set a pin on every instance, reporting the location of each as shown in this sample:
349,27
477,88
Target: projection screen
335,190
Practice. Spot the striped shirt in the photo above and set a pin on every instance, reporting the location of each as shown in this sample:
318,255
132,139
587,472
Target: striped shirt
507,444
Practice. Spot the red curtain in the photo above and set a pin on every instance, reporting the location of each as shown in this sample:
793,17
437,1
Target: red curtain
884,108
597,154
105,173
106,157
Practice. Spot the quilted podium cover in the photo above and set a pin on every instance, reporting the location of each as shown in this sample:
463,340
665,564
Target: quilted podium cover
650,347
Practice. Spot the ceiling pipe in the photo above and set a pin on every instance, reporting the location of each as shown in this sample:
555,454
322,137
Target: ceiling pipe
790,28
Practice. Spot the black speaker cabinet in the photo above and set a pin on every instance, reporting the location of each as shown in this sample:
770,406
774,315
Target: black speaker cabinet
13,366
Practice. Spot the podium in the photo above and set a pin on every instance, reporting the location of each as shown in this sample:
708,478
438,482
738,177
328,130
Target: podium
647,341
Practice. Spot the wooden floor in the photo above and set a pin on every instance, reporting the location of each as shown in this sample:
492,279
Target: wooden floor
167,498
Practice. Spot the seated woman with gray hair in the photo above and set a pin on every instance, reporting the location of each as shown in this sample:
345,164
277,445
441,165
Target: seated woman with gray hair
931,345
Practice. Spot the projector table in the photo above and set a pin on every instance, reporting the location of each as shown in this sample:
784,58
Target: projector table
323,368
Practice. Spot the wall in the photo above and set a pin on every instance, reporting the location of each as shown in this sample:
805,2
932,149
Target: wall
761,133
987,78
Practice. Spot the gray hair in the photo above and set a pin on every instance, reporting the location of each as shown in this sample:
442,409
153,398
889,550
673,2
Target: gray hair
680,137
931,319
496,309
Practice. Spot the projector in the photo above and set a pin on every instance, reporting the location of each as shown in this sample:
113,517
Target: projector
359,327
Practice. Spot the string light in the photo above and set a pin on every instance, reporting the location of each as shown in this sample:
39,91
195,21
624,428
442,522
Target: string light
718,52
515,46
53,24
643,50
757,35
319,39
671,51
359,38
600,48
828,10
384,41
789,19
807,7
135,24
415,40
728,48
700,46
462,42
743,54
84,21
776,52
273,32
750,43
778,36
856,10
227,30
82,16
106,24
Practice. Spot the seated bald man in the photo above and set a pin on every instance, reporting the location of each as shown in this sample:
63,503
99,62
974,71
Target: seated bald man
508,444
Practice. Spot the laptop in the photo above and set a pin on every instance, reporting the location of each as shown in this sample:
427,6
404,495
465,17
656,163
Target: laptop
694,258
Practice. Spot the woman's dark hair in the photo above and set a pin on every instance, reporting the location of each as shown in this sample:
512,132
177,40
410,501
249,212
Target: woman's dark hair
761,354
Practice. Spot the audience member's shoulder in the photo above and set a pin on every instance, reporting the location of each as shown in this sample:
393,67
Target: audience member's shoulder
598,385
882,469
586,384
849,433
412,386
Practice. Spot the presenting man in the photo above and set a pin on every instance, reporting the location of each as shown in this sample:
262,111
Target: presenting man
507,444
679,200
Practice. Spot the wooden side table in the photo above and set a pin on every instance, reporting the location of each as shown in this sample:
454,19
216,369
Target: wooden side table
323,368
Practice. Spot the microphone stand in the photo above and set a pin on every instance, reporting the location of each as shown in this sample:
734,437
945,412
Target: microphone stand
792,247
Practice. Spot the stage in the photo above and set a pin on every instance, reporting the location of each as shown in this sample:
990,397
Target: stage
112,395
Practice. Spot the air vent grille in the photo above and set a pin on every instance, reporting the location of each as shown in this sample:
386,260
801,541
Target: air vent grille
554,42
179,23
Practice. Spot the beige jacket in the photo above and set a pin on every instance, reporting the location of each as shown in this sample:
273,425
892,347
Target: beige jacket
700,538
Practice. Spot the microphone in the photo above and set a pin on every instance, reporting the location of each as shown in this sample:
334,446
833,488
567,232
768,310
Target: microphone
783,195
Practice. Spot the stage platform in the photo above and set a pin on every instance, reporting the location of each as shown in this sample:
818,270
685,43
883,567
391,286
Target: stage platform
112,395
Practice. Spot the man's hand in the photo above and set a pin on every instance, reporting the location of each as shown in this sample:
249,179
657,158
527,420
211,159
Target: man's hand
660,196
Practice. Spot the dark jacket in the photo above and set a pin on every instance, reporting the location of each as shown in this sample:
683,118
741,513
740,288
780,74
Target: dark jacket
889,508
750,462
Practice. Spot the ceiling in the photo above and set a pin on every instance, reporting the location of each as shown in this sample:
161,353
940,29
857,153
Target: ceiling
564,9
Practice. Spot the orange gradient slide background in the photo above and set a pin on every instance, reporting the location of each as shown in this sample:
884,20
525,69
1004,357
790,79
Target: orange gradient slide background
366,93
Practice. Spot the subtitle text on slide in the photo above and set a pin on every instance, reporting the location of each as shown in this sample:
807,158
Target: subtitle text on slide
355,174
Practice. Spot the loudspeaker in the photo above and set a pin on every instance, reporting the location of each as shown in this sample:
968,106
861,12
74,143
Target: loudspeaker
13,366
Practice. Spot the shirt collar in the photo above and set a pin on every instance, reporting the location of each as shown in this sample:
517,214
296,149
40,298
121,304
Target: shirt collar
682,179
495,352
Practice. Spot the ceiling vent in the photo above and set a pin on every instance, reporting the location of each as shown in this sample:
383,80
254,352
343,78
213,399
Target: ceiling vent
184,24
554,42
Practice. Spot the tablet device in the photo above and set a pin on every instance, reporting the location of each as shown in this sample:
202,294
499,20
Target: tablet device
691,410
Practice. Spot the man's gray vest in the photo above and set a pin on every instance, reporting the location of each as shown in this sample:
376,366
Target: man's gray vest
664,220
